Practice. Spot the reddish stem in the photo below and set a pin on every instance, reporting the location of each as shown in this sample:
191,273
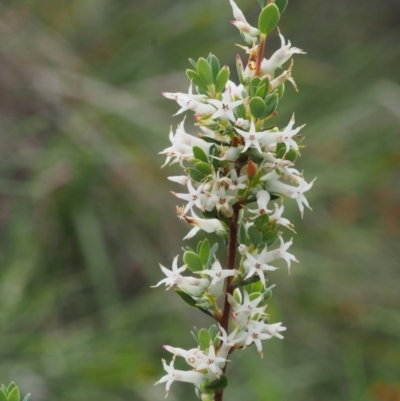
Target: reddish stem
260,54
232,246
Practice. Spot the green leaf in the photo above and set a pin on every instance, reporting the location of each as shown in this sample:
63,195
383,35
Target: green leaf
271,104
280,90
204,339
193,262
242,234
195,78
257,286
196,175
254,235
262,91
203,168
200,154
261,221
10,387
214,330
281,4
257,107
3,396
193,62
222,79
262,3
267,294
14,395
195,334
204,252
186,298
212,253
250,280
281,153
215,67
218,384
240,111
240,70
204,71
26,398
268,18
216,141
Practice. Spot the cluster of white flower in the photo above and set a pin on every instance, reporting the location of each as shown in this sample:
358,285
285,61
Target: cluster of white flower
238,171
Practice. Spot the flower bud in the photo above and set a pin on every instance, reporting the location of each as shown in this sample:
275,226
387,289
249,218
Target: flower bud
251,168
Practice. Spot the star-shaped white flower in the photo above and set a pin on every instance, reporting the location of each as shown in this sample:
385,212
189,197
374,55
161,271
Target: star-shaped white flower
263,197
218,273
281,253
256,335
212,363
180,375
277,218
195,197
252,138
225,107
256,265
279,57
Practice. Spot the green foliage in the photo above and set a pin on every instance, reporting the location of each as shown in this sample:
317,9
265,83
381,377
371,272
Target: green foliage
205,72
11,393
268,18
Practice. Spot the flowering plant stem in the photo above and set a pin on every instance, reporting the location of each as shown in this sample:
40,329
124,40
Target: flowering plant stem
238,160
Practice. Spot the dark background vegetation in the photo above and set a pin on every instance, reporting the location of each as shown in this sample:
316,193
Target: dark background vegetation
86,214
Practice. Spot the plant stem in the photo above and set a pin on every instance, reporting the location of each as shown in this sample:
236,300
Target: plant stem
260,54
232,246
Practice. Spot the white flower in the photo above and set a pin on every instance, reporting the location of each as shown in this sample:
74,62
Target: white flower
225,107
263,197
285,136
188,101
249,32
180,375
248,309
195,197
279,57
277,218
180,179
243,249
280,253
229,341
192,285
256,265
208,225
274,329
251,137
296,193
234,181
212,363
193,357
256,335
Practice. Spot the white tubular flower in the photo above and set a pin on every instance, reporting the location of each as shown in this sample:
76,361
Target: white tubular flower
212,363
281,253
296,193
279,57
218,273
285,76
274,329
263,197
234,181
208,225
188,101
242,123
180,375
229,341
277,218
225,107
246,28
237,12
243,249
192,285
231,154
195,197
252,138
183,137
217,198
179,179
256,335
256,265
285,136
248,309
193,357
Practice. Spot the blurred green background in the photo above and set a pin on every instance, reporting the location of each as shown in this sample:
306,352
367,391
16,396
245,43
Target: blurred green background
86,214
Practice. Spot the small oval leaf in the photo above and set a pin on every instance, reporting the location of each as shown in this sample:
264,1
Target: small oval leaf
218,384
254,235
281,4
192,260
215,67
14,395
200,154
204,339
268,19
3,396
203,168
204,71
195,78
222,79
257,107
204,252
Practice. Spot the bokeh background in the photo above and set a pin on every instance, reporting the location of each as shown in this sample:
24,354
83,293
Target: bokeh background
86,214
